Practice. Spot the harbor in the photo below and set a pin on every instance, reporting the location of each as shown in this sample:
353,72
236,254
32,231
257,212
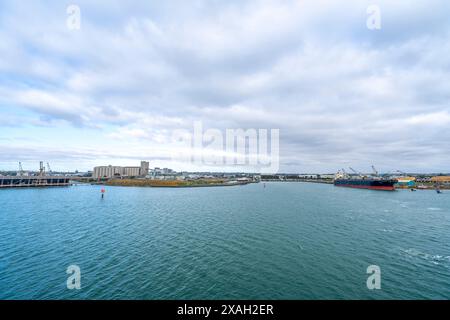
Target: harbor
183,229
288,240
144,176
397,180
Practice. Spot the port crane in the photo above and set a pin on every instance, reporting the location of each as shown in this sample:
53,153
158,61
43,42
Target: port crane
41,169
358,173
375,171
20,169
354,171
48,168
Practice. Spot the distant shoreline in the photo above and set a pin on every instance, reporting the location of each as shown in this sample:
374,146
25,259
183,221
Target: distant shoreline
299,180
147,183
420,186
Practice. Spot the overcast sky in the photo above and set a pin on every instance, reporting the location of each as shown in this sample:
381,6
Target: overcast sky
114,91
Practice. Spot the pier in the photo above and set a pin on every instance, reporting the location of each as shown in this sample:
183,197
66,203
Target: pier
34,181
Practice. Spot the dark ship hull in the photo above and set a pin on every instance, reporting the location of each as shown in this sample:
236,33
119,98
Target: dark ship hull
372,184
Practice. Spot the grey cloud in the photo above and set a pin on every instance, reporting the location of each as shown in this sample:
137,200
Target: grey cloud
337,91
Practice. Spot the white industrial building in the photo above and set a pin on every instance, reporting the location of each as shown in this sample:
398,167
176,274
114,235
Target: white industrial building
116,171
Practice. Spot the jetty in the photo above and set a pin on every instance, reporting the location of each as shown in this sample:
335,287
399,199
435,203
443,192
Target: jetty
24,180
38,181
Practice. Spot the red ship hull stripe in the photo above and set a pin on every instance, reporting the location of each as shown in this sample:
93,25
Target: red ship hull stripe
385,188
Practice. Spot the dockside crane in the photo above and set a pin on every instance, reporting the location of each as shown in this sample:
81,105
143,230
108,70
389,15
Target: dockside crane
375,171
358,173
41,169
48,169
20,169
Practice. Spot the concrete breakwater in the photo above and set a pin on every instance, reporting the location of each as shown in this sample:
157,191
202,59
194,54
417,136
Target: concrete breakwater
34,181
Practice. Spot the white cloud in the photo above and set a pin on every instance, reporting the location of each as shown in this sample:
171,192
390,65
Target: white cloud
335,89
431,119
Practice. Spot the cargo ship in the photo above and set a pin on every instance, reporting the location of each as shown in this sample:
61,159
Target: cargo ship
342,179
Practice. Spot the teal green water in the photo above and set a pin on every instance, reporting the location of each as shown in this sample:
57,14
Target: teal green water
285,241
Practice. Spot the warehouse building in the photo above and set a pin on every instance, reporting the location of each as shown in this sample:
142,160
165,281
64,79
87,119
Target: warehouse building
440,179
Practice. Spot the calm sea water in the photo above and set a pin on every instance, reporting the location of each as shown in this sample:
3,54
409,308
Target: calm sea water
285,241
